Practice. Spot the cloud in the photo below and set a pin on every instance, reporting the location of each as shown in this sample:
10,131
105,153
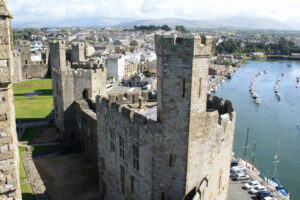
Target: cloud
24,10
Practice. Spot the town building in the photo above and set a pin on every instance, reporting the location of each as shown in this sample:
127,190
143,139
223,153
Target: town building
116,66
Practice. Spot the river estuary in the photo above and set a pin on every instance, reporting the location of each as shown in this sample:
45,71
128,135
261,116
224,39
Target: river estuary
270,122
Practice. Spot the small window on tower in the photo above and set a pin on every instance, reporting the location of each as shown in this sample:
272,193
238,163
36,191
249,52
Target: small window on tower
200,82
132,185
183,88
136,157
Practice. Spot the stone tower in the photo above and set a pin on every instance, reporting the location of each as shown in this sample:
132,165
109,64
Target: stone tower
25,51
62,83
78,52
9,157
192,136
73,82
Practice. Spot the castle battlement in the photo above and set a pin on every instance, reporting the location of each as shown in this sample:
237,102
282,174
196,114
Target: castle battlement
88,65
133,110
183,45
78,44
61,44
16,54
25,43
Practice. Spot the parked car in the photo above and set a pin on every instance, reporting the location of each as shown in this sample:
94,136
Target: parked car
234,163
237,170
263,194
257,189
250,185
241,176
269,198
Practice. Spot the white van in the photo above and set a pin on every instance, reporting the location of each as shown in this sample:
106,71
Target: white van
237,170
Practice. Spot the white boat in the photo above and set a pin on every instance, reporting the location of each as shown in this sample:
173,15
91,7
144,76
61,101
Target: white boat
257,101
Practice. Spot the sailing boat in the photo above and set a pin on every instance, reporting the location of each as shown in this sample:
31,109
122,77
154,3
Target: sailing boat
274,182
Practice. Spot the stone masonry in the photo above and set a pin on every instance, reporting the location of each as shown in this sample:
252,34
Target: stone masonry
176,145
9,157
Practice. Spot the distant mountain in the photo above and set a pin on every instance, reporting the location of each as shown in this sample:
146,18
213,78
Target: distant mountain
73,22
230,22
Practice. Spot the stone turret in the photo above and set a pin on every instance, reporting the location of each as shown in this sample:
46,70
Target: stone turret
58,54
9,156
62,83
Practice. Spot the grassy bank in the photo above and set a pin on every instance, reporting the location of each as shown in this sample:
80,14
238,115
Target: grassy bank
33,107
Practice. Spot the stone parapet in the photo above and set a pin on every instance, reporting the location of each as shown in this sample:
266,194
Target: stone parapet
183,45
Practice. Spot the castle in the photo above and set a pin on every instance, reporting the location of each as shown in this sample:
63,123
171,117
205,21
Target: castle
9,156
173,144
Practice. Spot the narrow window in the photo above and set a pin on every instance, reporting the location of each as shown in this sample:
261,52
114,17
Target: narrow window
170,160
199,87
122,147
112,141
136,157
132,185
183,88
122,178
163,196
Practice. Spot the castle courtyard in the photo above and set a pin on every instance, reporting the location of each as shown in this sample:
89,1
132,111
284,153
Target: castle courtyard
69,176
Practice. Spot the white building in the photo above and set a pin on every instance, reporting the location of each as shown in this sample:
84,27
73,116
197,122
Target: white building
116,66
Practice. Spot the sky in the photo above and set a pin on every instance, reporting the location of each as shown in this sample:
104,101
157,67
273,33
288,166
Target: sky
31,10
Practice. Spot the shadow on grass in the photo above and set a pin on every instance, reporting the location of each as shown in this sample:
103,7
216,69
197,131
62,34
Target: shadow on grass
29,134
46,92
41,92
28,196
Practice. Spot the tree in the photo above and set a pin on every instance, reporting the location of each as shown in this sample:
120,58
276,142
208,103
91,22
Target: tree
134,43
165,27
180,28
147,73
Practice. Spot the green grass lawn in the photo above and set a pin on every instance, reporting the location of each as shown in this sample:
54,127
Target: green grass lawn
27,193
29,134
26,189
23,174
33,107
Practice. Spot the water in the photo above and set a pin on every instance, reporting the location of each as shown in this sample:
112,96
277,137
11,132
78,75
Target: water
269,122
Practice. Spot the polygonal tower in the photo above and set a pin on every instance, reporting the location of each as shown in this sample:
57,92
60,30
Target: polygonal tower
196,141
62,83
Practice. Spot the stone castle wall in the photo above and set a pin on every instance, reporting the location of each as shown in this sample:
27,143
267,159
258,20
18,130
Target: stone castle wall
182,151
115,123
9,156
30,69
